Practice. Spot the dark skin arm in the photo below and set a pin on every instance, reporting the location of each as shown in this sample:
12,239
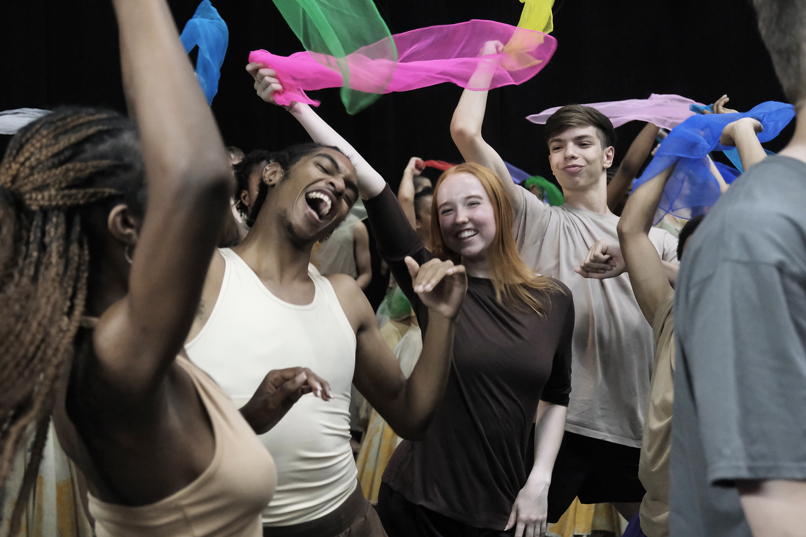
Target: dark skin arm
406,404
138,338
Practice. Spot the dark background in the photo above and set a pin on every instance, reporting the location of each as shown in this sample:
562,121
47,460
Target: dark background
54,52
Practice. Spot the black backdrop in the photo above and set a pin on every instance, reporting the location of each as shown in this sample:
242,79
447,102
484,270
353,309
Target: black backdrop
54,52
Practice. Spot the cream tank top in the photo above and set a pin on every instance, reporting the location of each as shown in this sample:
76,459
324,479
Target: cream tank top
250,332
224,501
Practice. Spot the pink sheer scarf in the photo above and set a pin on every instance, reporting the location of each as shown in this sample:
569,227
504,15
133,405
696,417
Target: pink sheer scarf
665,111
427,56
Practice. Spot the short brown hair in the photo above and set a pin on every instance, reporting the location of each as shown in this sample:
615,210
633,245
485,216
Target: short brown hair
782,24
574,116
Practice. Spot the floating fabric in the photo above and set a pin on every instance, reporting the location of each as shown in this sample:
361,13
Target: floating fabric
537,15
439,164
426,57
13,120
664,111
207,30
692,187
337,28
729,173
551,194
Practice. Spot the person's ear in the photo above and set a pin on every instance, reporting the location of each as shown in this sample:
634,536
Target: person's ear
272,174
245,198
124,225
609,153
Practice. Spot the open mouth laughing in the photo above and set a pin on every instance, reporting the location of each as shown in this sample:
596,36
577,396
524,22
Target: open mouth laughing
320,202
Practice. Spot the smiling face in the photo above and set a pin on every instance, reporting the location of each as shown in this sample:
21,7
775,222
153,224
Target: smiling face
315,195
578,159
466,217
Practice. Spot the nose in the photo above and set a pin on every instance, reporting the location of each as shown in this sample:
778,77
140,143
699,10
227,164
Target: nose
461,216
338,185
571,151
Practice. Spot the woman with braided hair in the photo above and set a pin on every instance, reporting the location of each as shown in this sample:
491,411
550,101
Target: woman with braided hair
98,295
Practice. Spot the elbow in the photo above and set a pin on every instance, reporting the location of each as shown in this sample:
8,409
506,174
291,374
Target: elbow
626,229
462,132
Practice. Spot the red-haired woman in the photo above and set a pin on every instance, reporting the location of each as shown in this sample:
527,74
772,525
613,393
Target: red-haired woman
472,474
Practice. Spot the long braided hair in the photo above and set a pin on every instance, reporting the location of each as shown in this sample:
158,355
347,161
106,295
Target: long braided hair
60,177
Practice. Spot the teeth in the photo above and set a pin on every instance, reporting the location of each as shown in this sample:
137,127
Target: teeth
466,233
320,196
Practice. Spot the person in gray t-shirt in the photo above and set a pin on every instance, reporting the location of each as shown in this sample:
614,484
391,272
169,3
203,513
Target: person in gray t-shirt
738,463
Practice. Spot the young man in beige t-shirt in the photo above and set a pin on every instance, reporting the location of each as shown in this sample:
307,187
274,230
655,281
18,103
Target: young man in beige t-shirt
613,345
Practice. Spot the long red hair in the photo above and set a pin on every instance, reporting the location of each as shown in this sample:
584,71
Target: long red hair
511,277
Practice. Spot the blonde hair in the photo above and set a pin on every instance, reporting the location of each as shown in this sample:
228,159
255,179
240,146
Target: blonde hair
512,279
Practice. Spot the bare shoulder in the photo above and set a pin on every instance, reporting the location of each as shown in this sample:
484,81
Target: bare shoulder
352,300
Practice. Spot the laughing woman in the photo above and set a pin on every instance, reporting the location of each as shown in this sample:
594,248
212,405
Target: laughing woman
98,293
472,474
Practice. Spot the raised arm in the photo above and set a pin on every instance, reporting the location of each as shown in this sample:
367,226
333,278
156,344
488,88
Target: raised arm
647,274
370,182
773,506
138,338
405,192
467,122
743,134
639,150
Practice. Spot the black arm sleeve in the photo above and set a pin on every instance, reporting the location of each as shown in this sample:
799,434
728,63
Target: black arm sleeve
395,240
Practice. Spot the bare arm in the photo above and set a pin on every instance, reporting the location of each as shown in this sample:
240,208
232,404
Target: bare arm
405,192
620,185
744,135
362,257
138,338
407,405
773,507
466,128
648,278
370,182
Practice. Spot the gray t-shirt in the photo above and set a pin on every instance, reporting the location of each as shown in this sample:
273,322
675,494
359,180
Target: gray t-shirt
740,380
613,348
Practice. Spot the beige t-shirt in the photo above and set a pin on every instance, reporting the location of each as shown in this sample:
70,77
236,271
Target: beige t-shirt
653,470
613,347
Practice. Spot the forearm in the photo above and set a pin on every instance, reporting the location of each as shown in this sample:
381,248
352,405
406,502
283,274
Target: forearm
363,280
405,195
548,437
750,150
426,385
370,182
636,155
640,209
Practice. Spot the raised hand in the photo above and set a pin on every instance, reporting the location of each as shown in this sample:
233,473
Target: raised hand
441,285
266,81
719,107
278,392
492,47
415,165
734,130
604,260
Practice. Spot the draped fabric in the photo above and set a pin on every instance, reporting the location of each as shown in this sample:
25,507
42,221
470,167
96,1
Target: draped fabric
537,15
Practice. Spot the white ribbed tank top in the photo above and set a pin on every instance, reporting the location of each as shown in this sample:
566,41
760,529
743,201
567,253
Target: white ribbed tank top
250,332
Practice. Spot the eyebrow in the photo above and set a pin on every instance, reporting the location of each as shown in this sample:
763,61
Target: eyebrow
477,196
349,183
